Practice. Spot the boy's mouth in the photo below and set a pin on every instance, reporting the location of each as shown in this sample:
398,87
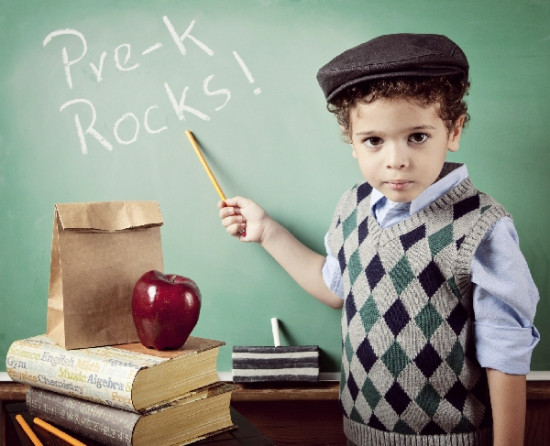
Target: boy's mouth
398,184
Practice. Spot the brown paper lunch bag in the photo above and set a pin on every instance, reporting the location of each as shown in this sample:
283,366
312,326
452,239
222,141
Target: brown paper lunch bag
99,251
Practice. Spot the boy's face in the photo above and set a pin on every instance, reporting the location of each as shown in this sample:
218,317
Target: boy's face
400,146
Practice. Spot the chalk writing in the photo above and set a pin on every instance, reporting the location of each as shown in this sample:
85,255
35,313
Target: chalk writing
127,128
246,71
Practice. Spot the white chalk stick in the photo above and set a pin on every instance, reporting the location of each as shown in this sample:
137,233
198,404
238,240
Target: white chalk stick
275,330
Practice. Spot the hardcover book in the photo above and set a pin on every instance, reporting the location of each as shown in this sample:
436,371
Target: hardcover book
198,415
128,376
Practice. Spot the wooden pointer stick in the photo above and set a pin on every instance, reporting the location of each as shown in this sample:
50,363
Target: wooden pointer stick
205,164
208,171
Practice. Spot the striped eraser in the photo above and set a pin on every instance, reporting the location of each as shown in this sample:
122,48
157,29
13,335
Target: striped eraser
264,364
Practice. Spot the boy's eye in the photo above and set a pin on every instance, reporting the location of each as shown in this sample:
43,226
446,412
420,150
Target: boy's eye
418,138
373,141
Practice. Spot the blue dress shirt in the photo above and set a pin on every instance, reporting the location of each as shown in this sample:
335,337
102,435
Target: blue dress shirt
504,294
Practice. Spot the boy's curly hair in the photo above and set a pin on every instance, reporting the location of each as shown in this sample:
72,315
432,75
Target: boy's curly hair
448,92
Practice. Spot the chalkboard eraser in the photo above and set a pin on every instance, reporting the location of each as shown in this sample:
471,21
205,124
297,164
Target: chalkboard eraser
275,364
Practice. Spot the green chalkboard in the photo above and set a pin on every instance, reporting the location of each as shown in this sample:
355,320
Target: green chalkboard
95,98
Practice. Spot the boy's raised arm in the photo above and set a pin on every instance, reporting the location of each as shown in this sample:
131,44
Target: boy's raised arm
245,219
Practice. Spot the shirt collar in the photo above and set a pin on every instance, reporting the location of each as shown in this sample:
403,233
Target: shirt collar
444,184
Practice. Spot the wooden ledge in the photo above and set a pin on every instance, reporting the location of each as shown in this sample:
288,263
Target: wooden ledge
321,391
538,390
328,390
12,391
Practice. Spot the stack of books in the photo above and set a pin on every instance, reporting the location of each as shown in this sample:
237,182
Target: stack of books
125,394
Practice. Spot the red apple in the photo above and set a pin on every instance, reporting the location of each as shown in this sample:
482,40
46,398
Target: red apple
165,309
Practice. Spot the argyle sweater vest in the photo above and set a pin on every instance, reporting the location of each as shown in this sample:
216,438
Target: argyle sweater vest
409,369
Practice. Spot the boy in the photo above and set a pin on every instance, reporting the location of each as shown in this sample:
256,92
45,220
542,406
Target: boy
438,302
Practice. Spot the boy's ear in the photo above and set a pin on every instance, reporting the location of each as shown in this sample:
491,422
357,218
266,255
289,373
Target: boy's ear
454,135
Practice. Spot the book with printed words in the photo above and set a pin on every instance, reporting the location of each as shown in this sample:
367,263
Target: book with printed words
200,414
130,377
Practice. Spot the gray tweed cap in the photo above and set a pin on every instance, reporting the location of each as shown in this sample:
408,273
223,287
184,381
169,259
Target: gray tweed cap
393,55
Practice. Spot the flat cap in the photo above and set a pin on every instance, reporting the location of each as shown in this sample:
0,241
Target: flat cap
393,55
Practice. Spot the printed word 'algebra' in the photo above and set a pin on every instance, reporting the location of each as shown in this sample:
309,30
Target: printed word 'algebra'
127,128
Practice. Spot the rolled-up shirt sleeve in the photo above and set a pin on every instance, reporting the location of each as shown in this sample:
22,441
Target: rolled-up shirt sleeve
505,299
332,275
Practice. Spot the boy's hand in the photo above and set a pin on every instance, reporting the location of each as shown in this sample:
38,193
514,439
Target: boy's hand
243,218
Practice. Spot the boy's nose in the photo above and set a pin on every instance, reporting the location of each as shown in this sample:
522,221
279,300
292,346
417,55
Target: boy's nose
396,157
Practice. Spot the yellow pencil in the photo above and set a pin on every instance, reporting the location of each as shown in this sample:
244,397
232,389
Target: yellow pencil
205,164
58,433
32,436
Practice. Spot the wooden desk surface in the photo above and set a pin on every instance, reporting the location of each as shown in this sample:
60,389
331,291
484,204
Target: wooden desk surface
324,390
